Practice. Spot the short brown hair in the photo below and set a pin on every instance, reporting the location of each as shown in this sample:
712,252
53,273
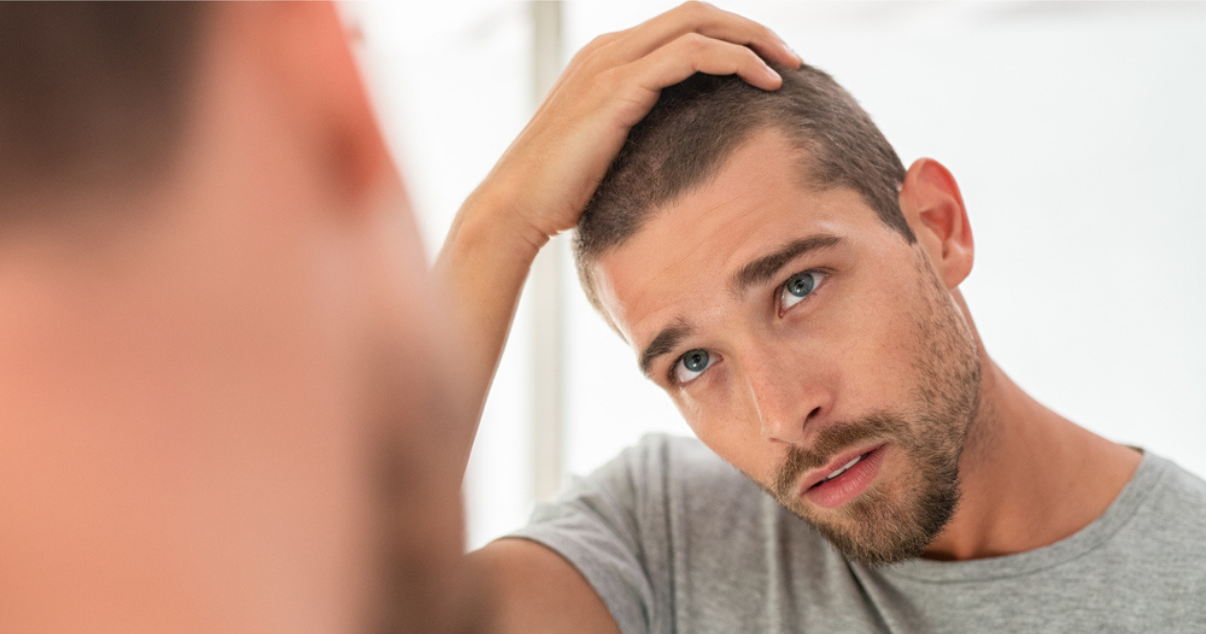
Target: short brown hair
700,122
91,93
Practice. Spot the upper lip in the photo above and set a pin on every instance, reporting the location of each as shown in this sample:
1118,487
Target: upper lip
816,475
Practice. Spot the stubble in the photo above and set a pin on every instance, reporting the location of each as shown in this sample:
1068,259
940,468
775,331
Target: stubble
893,522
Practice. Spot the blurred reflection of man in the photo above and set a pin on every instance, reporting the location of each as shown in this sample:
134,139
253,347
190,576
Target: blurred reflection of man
795,290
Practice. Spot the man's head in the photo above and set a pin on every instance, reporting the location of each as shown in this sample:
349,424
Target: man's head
224,401
92,96
699,123
794,289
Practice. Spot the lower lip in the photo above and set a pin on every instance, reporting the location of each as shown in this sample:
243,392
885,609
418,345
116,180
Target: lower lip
849,485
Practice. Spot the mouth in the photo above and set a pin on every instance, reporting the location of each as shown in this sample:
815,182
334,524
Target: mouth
844,478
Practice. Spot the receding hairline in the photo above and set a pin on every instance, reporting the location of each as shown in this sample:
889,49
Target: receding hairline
691,133
800,147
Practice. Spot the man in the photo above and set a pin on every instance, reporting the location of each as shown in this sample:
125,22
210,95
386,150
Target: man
795,290
226,403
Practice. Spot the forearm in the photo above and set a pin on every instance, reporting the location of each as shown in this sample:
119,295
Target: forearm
481,270
544,180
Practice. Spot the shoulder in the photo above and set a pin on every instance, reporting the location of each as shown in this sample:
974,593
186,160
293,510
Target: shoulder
644,483
638,527
1155,562
659,473
1182,484
680,456
1177,504
672,472
660,462
1161,536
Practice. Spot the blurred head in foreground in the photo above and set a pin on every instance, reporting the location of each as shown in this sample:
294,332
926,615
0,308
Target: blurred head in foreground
224,403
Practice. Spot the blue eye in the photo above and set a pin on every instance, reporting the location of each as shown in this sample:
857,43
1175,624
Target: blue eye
799,286
691,365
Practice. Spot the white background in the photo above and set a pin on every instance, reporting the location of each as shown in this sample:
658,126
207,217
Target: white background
1076,132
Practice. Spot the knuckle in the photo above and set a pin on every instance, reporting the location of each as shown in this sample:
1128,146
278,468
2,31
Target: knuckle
591,46
585,53
609,80
593,54
603,40
694,42
696,8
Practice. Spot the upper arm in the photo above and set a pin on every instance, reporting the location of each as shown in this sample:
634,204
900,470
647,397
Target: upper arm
534,590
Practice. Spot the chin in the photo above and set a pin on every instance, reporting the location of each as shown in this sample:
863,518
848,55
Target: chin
878,528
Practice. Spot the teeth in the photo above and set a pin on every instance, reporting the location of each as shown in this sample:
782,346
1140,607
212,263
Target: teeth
842,470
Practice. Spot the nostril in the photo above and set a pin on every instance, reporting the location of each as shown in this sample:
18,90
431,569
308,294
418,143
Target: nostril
813,414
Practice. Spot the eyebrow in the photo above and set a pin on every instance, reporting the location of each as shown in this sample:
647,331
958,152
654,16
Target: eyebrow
663,343
752,274
767,267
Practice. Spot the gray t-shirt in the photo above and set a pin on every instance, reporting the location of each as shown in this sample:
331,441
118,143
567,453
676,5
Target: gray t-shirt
676,540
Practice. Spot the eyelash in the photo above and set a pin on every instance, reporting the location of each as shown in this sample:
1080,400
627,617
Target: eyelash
674,367
778,298
822,275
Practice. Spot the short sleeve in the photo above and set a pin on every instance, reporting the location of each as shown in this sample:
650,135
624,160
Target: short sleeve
613,527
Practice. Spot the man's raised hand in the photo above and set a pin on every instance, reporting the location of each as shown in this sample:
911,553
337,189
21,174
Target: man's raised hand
550,172
544,180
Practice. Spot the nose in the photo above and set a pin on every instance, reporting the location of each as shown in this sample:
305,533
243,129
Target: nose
786,396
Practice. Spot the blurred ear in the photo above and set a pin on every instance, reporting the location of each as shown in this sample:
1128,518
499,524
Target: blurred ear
933,207
309,60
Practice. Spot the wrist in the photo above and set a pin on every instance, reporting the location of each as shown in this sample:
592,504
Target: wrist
492,219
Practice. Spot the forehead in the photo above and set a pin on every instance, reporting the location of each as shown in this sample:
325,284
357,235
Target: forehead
683,258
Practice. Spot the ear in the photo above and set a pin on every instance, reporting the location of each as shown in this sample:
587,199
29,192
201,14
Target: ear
309,60
933,207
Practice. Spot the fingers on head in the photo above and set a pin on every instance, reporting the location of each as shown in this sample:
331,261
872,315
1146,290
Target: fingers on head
623,47
694,52
705,19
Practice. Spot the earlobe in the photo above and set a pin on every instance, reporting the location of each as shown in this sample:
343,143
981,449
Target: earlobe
933,206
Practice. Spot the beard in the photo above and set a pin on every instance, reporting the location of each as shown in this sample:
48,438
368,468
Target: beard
878,527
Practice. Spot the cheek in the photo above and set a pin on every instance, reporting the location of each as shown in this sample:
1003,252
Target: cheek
865,350
728,425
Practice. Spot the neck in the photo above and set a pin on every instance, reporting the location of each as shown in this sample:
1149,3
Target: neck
1029,477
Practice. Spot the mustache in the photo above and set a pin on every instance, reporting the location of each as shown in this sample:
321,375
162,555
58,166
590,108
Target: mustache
830,442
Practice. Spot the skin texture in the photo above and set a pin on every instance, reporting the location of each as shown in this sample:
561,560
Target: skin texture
874,336
895,520
225,402
877,352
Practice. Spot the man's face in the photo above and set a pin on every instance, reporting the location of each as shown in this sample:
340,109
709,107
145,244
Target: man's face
808,344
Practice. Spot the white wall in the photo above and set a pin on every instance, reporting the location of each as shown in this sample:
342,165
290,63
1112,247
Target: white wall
1075,131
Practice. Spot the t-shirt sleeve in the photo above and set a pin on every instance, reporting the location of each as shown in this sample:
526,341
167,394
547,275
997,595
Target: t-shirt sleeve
613,527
